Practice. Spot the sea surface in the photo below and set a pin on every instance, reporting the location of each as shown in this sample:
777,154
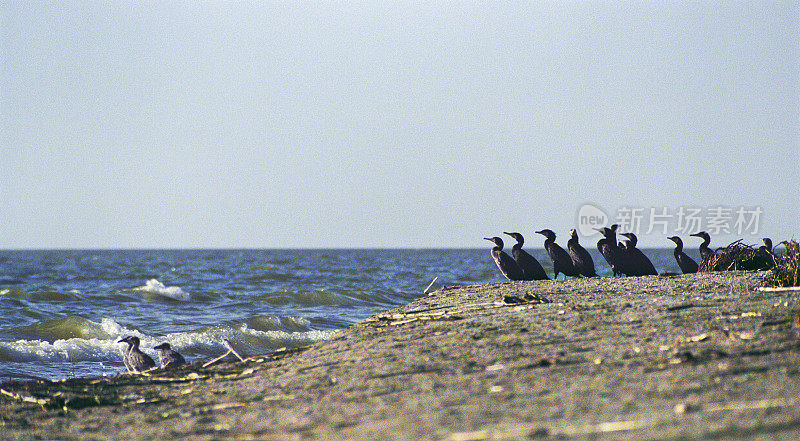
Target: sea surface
62,312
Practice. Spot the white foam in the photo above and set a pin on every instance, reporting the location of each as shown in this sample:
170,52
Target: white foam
207,341
76,349
156,287
288,337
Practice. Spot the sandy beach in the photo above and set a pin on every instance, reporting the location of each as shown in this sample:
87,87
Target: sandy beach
704,356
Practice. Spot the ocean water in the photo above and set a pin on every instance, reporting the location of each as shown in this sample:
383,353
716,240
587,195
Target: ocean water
62,312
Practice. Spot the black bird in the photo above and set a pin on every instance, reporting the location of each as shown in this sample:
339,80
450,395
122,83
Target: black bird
507,265
136,360
531,268
168,357
581,259
610,250
766,252
562,263
706,253
686,263
639,264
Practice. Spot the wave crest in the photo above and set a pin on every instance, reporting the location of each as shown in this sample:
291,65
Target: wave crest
153,286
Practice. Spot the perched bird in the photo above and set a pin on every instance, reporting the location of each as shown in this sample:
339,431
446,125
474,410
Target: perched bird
686,263
637,262
168,357
580,257
610,250
766,252
562,262
706,253
136,360
767,247
507,265
531,268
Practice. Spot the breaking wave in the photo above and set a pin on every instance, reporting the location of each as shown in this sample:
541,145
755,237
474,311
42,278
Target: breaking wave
77,339
153,286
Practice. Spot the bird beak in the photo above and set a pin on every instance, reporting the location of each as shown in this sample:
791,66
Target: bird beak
122,341
487,238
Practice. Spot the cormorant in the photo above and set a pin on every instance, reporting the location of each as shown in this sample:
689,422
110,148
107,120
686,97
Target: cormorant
562,263
580,257
136,360
610,250
639,264
507,265
686,263
766,252
767,245
168,357
706,253
531,268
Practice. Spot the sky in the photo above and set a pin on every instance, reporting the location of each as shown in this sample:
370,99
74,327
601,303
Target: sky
294,124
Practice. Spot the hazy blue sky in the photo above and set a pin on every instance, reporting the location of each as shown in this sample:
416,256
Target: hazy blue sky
391,124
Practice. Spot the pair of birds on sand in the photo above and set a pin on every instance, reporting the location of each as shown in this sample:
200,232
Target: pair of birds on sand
523,266
137,361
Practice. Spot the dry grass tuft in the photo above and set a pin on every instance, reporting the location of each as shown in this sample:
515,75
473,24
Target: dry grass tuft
739,257
787,270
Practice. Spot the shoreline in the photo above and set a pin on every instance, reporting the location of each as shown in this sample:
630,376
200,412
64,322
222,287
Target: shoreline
703,355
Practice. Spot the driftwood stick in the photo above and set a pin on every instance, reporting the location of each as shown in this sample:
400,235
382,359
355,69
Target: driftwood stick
779,289
431,284
230,347
207,364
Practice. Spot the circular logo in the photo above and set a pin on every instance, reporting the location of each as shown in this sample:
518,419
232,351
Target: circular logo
591,217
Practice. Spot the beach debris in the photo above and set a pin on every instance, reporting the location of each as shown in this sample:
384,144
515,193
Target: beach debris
697,338
24,398
512,300
526,298
786,272
778,289
679,306
495,367
230,351
429,289
448,312
477,435
739,257
683,408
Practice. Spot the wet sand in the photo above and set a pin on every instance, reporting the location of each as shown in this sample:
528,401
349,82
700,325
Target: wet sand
681,357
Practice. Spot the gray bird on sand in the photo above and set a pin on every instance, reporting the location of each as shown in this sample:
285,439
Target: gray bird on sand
136,360
168,357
